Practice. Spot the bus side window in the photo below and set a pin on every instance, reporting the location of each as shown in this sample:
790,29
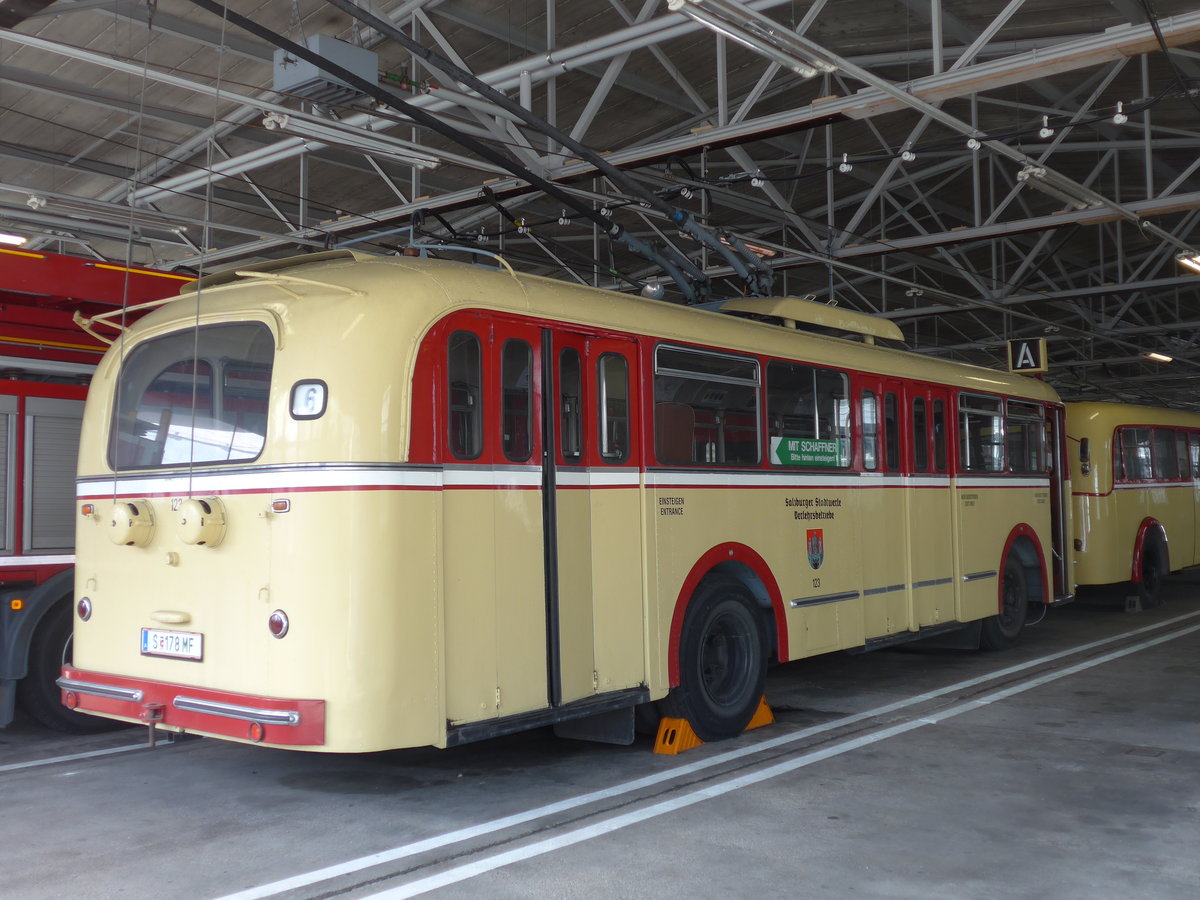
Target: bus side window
812,404
1166,464
1194,452
870,431
613,373
464,373
981,433
891,433
570,391
517,403
1135,453
1181,454
939,436
706,407
1025,427
920,436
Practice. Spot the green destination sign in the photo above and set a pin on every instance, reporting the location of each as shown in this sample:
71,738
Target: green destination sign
810,452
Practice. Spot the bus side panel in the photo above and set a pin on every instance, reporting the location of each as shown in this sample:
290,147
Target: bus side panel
987,512
616,536
816,555
495,603
884,547
469,592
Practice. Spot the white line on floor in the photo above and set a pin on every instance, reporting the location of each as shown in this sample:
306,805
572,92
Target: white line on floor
70,757
557,842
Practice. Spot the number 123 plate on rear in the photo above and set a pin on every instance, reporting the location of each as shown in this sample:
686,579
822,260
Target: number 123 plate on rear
173,644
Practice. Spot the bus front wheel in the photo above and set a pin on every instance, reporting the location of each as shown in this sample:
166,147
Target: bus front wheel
722,661
1001,631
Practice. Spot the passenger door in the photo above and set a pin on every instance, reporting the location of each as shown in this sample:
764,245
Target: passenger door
594,545
930,505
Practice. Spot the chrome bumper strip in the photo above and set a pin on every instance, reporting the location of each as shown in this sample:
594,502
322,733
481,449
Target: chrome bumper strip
130,695
230,711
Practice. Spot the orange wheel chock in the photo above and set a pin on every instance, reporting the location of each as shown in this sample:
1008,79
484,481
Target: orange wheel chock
762,716
676,735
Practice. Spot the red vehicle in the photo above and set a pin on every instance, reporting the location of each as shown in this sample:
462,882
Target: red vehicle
45,364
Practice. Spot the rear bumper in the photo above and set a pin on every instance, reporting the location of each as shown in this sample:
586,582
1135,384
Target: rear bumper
244,717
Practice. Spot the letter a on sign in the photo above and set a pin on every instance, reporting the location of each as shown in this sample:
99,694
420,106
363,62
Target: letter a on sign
1027,355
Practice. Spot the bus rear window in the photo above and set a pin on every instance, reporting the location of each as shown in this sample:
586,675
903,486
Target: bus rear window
194,397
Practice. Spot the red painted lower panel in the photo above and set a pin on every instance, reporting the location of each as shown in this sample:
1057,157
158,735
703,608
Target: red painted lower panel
158,703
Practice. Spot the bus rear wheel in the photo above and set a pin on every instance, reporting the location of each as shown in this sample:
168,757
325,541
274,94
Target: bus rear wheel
722,661
1001,631
1154,569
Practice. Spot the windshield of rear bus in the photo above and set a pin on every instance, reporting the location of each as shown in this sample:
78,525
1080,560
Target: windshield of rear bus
197,396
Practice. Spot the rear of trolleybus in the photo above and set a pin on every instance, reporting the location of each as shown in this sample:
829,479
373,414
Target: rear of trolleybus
1135,481
246,534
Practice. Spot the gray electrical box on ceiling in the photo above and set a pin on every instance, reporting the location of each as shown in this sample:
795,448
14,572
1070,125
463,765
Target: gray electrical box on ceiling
303,79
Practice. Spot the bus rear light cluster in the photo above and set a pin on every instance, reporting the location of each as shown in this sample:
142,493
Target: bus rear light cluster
84,609
278,623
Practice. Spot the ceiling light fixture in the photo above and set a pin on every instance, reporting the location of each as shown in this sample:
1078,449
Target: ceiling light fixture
1189,260
757,32
13,240
1157,357
357,139
1053,185
760,252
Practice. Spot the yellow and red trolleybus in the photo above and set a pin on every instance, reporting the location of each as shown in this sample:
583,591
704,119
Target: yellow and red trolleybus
1135,481
349,503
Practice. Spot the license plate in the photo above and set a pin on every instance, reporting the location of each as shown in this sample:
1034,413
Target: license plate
175,644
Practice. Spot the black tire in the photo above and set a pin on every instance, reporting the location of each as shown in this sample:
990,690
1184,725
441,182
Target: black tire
1154,570
722,661
1001,631
40,697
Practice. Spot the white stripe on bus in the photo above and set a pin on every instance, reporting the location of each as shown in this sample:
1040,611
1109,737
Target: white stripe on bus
481,477
491,827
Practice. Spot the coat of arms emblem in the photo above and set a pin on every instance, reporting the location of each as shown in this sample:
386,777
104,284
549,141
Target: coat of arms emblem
816,547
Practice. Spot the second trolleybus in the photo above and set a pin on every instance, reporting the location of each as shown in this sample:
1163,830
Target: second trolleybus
1136,487
348,503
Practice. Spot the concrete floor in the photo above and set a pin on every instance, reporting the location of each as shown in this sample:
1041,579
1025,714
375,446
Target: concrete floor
1068,767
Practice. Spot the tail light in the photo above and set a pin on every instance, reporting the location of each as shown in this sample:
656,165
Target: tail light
278,623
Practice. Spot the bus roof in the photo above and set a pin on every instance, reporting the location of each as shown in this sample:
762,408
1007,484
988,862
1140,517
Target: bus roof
1104,416
449,286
